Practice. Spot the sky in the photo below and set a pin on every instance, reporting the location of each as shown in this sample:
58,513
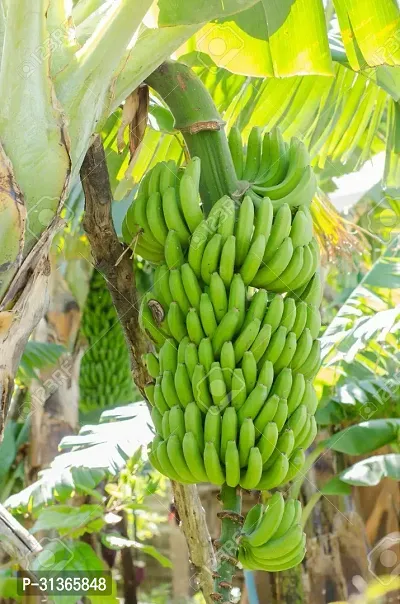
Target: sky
352,187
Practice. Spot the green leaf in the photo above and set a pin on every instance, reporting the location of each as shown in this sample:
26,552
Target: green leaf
38,355
335,487
369,472
364,437
369,33
297,37
117,542
70,520
181,12
96,453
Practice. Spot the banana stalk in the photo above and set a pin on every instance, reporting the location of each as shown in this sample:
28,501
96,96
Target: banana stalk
202,127
227,545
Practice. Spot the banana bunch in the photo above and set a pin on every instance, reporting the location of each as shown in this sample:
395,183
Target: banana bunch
233,397
105,374
272,538
167,200
273,168
234,316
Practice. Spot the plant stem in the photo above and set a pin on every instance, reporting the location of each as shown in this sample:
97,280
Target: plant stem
227,545
202,128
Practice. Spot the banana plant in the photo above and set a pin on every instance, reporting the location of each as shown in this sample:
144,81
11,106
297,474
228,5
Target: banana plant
63,71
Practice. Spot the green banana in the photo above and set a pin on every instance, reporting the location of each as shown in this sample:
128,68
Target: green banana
257,307
197,246
249,368
237,299
269,523
289,313
227,260
274,313
280,231
267,441
281,414
176,322
159,400
193,326
250,477
211,256
194,423
207,315
164,461
247,437
182,349
253,154
218,296
161,284
284,281
155,218
229,430
201,392
189,196
244,230
236,149
266,375
246,338
177,422
300,318
267,412
173,251
191,358
191,286
173,217
177,459
178,291
225,330
253,260
275,475
311,365
232,465
168,176
238,392
309,399
183,385
194,458
304,346
263,219
212,427
152,364
217,385
157,420
212,465
227,361
254,403
168,389
297,420
288,352
206,354
275,346
295,398
274,266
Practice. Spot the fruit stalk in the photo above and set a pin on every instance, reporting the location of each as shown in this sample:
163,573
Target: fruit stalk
202,128
227,545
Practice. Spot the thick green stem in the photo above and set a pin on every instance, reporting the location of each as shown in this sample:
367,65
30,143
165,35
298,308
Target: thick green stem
203,130
227,545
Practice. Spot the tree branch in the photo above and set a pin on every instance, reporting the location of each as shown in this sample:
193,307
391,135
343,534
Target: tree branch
117,268
16,540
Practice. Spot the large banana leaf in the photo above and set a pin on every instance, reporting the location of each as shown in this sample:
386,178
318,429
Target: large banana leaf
361,349
288,37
